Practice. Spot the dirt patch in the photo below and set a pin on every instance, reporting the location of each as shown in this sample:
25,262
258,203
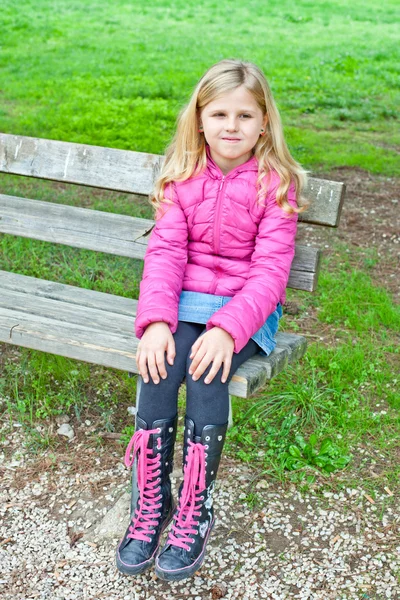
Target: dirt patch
370,222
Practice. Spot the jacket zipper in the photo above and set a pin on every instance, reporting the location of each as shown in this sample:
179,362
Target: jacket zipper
217,217
216,231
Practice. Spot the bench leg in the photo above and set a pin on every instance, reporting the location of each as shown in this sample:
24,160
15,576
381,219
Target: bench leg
230,418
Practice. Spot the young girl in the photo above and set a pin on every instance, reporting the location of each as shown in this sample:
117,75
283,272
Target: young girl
214,280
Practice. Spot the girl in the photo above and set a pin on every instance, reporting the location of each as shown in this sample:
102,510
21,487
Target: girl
214,279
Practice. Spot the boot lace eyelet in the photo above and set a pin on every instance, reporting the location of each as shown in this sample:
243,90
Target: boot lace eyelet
206,446
207,438
201,497
159,429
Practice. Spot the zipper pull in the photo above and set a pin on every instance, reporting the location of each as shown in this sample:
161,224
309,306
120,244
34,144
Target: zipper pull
222,183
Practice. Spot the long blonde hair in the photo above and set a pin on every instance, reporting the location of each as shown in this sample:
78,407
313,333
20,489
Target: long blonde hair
186,154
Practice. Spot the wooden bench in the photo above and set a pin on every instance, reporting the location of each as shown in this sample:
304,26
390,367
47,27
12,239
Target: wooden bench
93,326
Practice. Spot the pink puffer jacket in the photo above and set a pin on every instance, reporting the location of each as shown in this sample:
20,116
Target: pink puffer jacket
216,239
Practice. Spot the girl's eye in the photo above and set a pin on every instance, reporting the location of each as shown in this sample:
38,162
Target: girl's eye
246,116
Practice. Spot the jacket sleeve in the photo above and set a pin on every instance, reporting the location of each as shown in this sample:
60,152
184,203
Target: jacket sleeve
269,271
164,266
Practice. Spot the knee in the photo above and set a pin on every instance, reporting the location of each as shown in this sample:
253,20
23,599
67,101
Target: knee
216,379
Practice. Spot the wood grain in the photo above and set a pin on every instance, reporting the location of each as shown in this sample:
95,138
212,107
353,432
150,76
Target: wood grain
99,328
128,171
112,233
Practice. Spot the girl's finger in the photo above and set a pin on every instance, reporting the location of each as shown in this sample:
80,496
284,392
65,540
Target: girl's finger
142,367
161,363
212,372
137,355
196,360
151,361
206,360
195,347
226,371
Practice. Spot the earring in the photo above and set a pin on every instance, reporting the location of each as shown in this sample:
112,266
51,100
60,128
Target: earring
200,128
262,132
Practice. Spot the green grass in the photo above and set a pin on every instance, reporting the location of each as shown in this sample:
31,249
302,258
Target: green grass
116,74
346,391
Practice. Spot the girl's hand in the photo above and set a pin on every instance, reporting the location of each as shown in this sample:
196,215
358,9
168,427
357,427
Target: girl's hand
156,340
216,346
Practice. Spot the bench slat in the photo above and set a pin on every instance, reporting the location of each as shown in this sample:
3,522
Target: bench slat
127,171
83,164
71,341
79,227
41,288
326,201
88,317
101,332
116,234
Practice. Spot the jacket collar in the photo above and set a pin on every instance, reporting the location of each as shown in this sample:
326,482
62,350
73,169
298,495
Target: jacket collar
215,172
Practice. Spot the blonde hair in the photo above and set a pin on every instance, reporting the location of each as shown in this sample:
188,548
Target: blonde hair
186,154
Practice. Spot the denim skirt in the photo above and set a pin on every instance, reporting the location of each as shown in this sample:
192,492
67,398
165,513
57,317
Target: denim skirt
197,307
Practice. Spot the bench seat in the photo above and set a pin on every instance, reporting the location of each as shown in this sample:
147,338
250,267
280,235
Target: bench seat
99,328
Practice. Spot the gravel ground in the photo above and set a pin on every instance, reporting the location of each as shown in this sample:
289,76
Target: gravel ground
321,545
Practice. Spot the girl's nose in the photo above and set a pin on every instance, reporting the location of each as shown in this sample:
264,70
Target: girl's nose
231,124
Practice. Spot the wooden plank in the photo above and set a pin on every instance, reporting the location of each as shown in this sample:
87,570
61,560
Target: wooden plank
75,296
118,350
101,331
71,341
88,317
73,226
326,200
95,166
116,234
300,280
128,171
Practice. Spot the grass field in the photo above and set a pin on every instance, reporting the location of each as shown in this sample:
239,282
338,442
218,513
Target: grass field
116,74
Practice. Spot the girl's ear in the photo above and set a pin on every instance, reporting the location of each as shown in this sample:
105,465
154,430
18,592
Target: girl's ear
200,124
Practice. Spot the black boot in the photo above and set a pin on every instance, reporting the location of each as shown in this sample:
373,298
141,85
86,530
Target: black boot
184,551
151,453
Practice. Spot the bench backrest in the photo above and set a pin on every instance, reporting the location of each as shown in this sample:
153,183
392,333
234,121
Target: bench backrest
124,171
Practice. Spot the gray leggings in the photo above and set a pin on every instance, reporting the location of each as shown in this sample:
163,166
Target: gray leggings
206,403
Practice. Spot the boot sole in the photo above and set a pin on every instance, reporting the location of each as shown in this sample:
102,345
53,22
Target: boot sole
185,572
142,567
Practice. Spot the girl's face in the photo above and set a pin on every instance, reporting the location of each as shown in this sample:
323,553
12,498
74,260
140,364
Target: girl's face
232,125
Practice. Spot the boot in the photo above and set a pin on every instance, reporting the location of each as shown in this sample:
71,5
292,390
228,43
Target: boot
150,452
184,551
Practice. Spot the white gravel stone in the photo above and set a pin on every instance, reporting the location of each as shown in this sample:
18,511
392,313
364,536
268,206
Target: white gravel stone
66,430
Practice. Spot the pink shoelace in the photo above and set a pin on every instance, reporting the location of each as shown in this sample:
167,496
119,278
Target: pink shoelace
190,500
148,470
